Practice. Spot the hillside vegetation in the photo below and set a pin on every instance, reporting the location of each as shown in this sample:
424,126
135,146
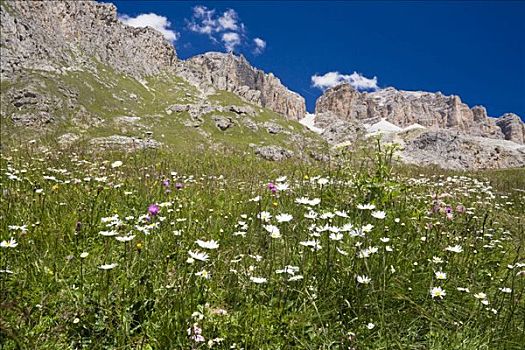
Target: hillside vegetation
167,250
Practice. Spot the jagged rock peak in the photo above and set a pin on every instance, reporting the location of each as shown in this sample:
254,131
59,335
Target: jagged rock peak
49,35
226,71
405,108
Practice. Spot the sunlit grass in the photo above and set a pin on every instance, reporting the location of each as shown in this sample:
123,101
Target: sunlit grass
157,250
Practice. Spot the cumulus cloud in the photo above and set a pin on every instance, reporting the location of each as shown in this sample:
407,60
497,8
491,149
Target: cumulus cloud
159,23
206,21
225,27
260,45
228,20
357,80
230,40
203,21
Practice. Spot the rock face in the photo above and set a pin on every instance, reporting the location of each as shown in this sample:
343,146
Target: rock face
55,35
234,73
512,127
453,150
274,153
431,110
336,130
123,143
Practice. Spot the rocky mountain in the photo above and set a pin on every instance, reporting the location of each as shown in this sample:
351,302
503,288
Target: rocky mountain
65,35
431,110
72,72
234,73
68,35
431,128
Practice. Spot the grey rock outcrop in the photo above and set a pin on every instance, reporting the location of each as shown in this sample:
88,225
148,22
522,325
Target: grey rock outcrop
274,153
222,122
454,150
241,110
234,73
55,35
123,143
336,130
512,127
273,128
405,108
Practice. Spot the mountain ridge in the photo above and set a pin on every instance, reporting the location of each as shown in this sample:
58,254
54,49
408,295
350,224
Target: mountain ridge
431,110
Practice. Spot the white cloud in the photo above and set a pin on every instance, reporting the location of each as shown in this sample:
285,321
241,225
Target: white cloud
230,40
205,21
260,45
159,23
228,20
225,27
357,80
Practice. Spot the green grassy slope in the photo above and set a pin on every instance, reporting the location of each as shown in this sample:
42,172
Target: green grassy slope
90,103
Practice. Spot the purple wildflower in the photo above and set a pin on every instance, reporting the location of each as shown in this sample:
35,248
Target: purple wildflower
272,187
179,185
153,209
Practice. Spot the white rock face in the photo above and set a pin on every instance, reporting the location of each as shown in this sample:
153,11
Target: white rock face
234,73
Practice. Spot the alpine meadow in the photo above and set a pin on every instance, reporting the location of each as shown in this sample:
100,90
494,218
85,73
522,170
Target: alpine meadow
154,202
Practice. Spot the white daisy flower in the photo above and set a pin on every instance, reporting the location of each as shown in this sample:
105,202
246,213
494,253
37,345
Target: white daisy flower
108,266
363,279
437,292
207,244
273,231
366,206
284,217
295,278
480,295
440,275
336,236
198,255
282,186
314,245
379,214
455,249
367,228
314,202
341,214
9,244
258,280
311,215
125,238
264,216
204,274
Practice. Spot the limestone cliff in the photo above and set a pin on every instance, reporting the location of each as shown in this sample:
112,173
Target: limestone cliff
56,35
235,74
431,110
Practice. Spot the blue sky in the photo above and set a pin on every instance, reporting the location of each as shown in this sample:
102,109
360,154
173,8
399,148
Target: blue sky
468,48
